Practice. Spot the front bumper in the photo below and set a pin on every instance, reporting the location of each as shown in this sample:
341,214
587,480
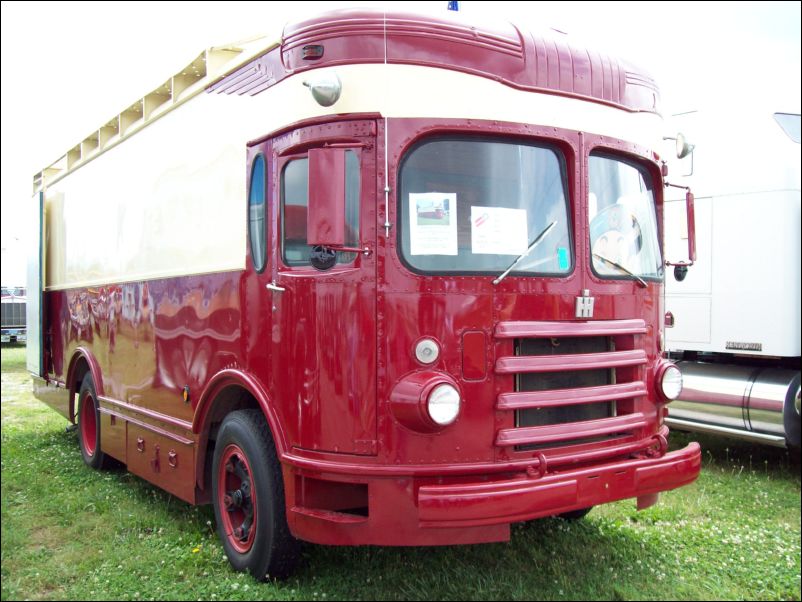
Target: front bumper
481,504
417,510
14,335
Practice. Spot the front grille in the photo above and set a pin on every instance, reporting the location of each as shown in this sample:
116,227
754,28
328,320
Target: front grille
567,383
13,314
569,379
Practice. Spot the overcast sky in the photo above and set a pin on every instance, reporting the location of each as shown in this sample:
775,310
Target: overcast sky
67,67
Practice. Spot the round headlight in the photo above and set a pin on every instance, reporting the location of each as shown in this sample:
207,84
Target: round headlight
671,382
427,351
443,404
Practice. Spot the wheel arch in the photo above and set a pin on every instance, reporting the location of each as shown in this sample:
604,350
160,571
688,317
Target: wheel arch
81,364
228,391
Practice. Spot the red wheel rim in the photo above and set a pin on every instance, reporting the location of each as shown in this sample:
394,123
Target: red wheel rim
236,498
88,424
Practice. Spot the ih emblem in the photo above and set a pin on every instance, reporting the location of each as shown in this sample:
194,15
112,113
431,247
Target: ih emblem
584,305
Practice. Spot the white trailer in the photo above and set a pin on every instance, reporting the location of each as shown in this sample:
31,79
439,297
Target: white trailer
736,314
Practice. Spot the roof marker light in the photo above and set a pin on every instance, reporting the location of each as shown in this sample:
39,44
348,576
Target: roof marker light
312,52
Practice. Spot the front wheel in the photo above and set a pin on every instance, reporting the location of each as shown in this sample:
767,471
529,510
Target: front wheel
248,495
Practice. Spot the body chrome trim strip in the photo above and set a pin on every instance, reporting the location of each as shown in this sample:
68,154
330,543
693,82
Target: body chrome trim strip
149,427
175,422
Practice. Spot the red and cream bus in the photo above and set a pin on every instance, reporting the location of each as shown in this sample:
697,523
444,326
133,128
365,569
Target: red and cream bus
391,280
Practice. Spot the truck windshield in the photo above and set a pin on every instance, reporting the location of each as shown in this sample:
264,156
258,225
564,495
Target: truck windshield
623,225
475,206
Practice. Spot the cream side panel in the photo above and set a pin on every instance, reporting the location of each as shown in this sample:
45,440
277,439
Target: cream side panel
169,201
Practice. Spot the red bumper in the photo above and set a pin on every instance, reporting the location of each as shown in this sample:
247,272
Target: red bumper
480,504
422,510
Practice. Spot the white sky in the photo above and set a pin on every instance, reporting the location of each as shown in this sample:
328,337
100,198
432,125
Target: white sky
67,67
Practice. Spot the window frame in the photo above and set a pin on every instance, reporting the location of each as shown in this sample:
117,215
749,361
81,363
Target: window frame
648,175
344,258
258,268
544,143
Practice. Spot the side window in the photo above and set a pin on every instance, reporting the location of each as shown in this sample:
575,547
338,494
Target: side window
624,239
295,205
352,188
257,233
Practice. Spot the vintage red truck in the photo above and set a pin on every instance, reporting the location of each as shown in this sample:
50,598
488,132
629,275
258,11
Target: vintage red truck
233,295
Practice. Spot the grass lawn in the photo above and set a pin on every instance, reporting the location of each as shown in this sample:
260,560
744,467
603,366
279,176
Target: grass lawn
72,533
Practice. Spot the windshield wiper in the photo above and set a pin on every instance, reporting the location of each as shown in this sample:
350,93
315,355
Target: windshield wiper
640,280
525,253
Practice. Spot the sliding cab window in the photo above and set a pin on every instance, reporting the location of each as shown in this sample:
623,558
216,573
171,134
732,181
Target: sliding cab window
257,233
471,206
295,206
624,239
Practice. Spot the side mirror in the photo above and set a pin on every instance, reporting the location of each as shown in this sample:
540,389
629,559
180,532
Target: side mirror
684,148
691,225
325,220
679,272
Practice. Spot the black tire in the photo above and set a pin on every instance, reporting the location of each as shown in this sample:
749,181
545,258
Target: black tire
791,420
89,426
248,497
576,514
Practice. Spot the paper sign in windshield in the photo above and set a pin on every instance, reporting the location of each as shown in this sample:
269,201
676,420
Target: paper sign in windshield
498,231
433,223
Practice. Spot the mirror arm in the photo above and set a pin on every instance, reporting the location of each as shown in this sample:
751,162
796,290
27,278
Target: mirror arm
363,250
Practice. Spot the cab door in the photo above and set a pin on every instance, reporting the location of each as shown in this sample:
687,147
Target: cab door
323,339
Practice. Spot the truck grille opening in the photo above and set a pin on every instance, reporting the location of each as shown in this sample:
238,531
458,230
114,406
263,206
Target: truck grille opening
564,380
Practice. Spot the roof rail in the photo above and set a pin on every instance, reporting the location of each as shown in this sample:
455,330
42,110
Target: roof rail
208,67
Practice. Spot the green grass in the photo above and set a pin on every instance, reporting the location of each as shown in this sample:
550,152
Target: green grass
72,533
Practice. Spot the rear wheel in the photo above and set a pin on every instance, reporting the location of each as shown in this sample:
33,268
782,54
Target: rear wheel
89,426
248,495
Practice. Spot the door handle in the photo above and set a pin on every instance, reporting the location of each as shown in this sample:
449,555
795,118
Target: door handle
275,287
